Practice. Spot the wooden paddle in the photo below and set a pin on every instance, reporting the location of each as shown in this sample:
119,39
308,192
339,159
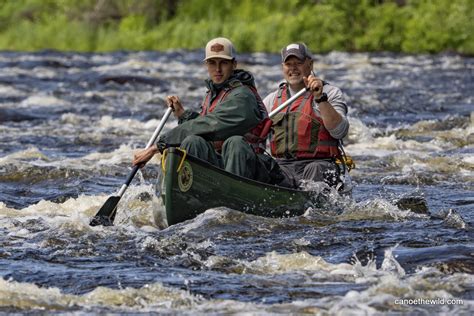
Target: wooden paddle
106,215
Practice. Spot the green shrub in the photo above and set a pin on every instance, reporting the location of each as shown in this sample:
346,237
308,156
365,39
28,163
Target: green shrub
415,26
440,25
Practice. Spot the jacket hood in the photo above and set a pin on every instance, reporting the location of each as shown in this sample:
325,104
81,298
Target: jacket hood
243,76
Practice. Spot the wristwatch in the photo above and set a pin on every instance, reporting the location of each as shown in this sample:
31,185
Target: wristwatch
322,98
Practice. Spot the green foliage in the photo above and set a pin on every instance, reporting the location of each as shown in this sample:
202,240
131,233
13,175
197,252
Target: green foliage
323,28
384,29
51,34
440,25
415,26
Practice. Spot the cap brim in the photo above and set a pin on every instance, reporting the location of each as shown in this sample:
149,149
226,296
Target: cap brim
299,56
218,56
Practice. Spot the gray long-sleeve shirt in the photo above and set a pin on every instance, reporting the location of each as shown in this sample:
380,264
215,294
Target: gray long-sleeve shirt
335,98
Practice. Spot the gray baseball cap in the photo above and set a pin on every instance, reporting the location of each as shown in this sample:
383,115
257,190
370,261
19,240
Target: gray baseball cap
299,50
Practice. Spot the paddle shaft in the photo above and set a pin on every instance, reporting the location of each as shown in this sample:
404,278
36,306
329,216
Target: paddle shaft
150,143
287,102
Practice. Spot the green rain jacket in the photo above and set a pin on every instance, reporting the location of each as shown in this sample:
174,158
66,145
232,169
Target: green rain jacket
237,114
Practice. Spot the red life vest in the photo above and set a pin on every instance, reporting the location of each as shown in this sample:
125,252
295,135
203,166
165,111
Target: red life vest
255,137
299,132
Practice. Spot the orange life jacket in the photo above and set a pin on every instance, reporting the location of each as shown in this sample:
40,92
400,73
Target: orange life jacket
299,132
255,137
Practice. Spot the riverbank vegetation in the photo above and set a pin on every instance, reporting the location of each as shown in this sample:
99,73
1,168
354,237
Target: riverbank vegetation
411,26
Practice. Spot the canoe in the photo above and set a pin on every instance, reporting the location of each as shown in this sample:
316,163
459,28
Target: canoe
191,186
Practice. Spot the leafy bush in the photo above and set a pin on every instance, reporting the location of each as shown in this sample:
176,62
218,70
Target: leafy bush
415,26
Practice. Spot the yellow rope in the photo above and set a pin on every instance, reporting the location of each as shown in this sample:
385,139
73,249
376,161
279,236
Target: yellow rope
182,159
165,155
163,160
348,161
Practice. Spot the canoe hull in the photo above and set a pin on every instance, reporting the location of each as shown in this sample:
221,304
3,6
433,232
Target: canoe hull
191,186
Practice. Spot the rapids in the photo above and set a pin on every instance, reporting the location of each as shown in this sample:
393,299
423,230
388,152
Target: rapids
70,122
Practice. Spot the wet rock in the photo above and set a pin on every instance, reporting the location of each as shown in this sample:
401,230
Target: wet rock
54,64
455,220
447,258
10,115
145,196
456,266
124,79
414,204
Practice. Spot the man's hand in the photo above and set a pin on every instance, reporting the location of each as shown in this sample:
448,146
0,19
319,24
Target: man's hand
143,156
173,102
315,85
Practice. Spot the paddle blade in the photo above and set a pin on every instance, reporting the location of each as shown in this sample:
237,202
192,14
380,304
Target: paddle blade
105,216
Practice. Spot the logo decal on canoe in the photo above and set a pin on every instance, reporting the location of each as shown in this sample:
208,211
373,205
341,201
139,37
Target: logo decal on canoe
185,177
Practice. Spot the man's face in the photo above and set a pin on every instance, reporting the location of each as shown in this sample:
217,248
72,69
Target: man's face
220,69
295,69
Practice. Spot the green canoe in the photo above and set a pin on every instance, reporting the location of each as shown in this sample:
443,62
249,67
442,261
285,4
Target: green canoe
191,186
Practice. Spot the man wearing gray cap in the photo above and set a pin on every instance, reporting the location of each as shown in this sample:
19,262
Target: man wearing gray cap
307,134
227,131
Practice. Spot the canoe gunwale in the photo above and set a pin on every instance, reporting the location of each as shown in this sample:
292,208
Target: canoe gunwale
176,150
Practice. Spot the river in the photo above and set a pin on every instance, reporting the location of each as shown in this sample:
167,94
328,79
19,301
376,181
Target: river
70,122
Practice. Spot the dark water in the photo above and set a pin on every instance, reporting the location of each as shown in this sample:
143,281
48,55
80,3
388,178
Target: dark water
69,124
